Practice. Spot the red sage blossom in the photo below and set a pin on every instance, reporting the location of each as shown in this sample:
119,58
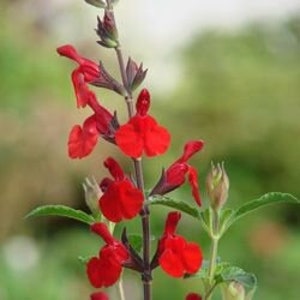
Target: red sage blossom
176,256
106,269
120,199
142,134
175,175
87,72
83,139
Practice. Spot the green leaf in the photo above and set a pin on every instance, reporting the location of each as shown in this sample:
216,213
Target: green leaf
179,205
61,211
225,217
136,241
230,273
269,198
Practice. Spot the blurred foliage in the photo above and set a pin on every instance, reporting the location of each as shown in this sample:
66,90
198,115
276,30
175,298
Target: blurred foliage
238,91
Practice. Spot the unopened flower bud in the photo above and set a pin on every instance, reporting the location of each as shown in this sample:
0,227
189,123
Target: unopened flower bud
233,291
107,30
92,194
217,186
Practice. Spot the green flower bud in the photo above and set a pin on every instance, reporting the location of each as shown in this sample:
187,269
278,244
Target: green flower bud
92,194
217,186
233,291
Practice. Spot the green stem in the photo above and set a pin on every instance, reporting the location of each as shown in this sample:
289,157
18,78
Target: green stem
138,169
213,254
121,289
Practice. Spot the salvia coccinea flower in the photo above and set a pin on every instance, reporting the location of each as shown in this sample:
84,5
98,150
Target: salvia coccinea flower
176,174
193,296
120,199
83,139
87,72
105,269
99,296
142,134
176,256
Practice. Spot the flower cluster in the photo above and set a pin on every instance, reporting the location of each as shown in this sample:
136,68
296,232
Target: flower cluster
121,197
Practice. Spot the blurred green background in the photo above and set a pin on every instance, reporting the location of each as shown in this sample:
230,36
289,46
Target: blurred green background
238,90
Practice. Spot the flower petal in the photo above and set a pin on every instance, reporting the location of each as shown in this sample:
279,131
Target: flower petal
129,140
81,143
193,180
190,148
99,296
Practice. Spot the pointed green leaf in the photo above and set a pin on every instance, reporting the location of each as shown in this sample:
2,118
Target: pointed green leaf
61,211
269,198
179,205
231,273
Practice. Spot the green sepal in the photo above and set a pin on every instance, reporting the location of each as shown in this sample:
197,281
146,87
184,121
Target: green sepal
61,211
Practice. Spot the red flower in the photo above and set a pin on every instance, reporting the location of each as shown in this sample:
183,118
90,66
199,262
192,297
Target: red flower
121,199
142,133
99,296
193,296
177,256
106,269
175,175
82,140
87,72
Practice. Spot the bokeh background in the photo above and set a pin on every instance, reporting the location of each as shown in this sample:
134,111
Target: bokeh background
224,71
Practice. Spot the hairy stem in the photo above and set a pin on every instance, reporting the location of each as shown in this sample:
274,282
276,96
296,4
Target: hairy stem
138,170
121,289
213,254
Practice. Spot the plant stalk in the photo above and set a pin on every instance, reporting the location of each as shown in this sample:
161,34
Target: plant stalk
138,170
213,254
121,289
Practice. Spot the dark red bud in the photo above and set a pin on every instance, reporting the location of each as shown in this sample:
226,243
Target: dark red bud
143,102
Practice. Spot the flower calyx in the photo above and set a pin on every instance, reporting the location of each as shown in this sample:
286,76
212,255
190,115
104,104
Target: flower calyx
135,74
136,263
105,80
217,186
107,30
